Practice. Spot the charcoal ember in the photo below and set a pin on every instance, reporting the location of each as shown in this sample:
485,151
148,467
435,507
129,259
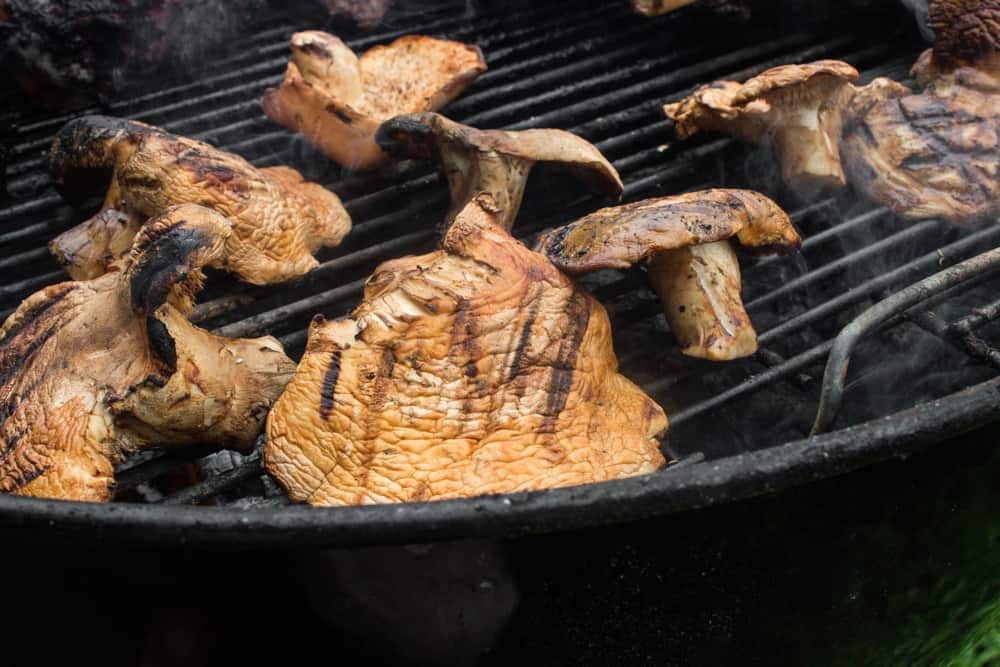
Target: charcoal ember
67,53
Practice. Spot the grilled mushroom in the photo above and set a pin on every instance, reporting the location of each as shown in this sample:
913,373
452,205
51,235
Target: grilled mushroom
478,368
91,371
337,100
934,153
691,263
739,8
658,7
278,219
493,161
796,109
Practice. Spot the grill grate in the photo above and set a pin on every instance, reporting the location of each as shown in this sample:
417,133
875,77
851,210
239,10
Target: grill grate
604,74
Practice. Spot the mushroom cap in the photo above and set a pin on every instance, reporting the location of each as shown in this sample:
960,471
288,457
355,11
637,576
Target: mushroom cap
421,135
745,109
710,107
964,30
338,100
618,237
927,155
279,220
784,77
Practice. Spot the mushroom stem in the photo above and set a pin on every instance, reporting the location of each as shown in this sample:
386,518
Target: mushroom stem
503,177
699,287
89,249
807,143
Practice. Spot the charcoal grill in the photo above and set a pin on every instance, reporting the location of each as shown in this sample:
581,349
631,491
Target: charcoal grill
923,366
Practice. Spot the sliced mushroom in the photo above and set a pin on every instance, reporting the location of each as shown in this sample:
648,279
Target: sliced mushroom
91,371
337,100
739,8
87,250
478,368
934,153
278,219
796,109
658,7
691,263
494,162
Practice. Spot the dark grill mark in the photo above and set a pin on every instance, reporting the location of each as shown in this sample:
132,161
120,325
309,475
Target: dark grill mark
11,443
329,385
23,478
22,360
164,257
140,181
36,314
522,342
161,343
316,49
578,315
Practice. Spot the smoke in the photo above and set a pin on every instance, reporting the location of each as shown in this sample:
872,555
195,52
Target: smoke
919,9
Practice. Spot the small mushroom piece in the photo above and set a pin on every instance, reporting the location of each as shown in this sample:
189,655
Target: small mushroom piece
279,220
337,100
658,7
798,110
477,368
691,263
494,162
93,370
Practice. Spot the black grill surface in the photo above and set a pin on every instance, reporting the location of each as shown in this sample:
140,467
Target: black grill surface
736,428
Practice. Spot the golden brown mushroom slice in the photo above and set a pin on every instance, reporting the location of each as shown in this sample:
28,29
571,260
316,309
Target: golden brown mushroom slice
934,153
91,371
479,368
337,100
658,7
684,239
495,162
798,110
279,220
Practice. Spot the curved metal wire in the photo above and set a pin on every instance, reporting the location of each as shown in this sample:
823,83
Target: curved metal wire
837,363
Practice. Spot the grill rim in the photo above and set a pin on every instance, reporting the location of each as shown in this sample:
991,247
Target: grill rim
686,486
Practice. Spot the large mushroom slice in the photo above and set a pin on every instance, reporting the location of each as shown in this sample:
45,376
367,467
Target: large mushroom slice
93,370
278,219
494,162
934,153
337,100
479,368
798,110
691,262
